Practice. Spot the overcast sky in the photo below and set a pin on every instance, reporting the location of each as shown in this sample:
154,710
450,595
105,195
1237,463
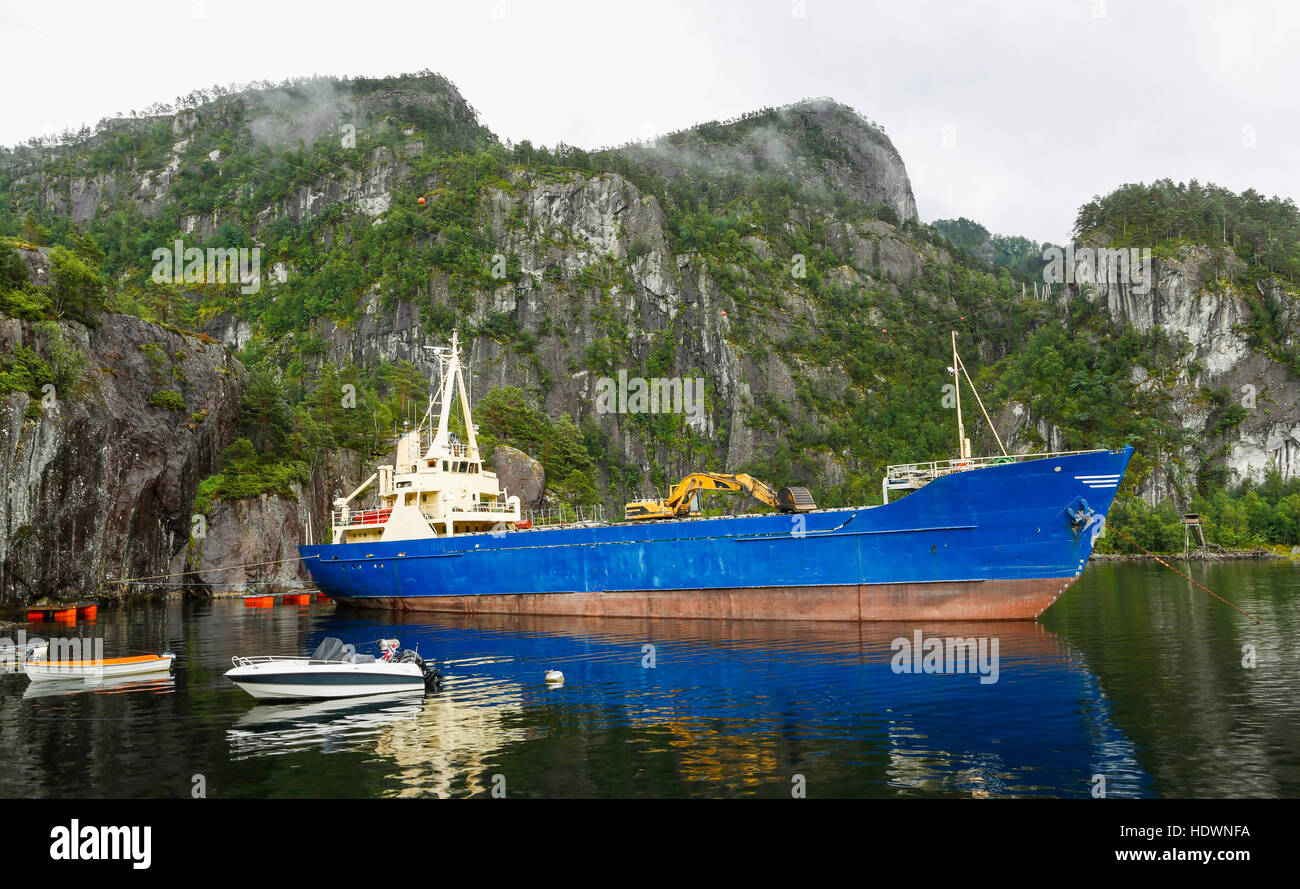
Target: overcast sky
1010,113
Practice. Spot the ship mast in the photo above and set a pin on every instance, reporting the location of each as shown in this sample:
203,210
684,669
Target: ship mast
958,370
963,445
453,385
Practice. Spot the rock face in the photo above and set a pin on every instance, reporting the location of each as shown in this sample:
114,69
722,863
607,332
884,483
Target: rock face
519,474
594,226
253,543
1212,318
250,541
99,487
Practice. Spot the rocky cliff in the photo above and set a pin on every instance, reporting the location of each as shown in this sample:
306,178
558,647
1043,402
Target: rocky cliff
252,543
99,480
1193,298
596,269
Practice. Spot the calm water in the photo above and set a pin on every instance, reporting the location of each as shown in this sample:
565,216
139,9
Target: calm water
1134,675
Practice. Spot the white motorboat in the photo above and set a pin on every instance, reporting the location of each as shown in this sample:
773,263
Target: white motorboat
333,670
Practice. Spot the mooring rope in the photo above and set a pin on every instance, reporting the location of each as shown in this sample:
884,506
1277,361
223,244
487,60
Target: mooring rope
1181,574
182,583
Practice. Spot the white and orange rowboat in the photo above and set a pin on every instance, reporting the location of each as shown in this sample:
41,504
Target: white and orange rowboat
99,668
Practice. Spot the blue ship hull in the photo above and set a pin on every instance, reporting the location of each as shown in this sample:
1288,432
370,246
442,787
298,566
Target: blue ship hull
995,543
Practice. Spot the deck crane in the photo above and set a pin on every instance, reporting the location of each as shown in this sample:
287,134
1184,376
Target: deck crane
683,500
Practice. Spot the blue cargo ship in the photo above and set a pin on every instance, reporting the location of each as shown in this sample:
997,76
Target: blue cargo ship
976,539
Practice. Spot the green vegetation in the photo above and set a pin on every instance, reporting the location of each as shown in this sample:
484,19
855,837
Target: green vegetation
1083,379
289,419
245,473
507,419
76,286
24,371
53,362
19,298
1023,257
1262,232
1249,516
168,398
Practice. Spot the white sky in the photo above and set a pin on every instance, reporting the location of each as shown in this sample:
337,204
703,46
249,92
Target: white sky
1044,103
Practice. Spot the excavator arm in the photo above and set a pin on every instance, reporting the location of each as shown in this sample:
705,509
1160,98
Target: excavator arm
680,499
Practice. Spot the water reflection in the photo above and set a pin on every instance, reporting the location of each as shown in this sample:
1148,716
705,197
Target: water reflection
1134,676
739,706
328,726
55,688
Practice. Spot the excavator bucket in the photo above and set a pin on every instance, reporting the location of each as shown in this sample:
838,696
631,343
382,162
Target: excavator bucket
795,500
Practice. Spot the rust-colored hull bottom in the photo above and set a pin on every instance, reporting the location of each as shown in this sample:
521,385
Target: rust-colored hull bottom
939,601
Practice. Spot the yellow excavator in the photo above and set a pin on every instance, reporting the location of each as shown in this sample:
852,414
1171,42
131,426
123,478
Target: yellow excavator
683,500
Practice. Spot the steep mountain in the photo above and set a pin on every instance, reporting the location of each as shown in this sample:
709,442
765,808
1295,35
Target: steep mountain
777,258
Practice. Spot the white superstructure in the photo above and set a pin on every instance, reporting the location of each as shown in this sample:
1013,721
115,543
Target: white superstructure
437,486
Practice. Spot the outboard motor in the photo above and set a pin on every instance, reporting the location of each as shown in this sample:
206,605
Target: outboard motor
432,678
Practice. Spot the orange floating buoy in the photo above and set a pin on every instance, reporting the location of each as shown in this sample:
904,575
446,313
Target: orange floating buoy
259,601
67,615
89,612
35,616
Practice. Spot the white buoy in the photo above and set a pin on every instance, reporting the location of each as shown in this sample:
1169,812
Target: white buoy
554,677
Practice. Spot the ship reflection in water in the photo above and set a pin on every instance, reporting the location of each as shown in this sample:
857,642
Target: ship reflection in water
716,708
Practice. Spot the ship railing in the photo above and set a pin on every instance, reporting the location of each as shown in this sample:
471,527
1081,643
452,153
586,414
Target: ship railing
490,509
902,476
248,661
352,517
240,661
482,507
423,448
556,516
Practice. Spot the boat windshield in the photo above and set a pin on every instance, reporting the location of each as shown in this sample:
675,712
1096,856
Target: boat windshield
330,649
